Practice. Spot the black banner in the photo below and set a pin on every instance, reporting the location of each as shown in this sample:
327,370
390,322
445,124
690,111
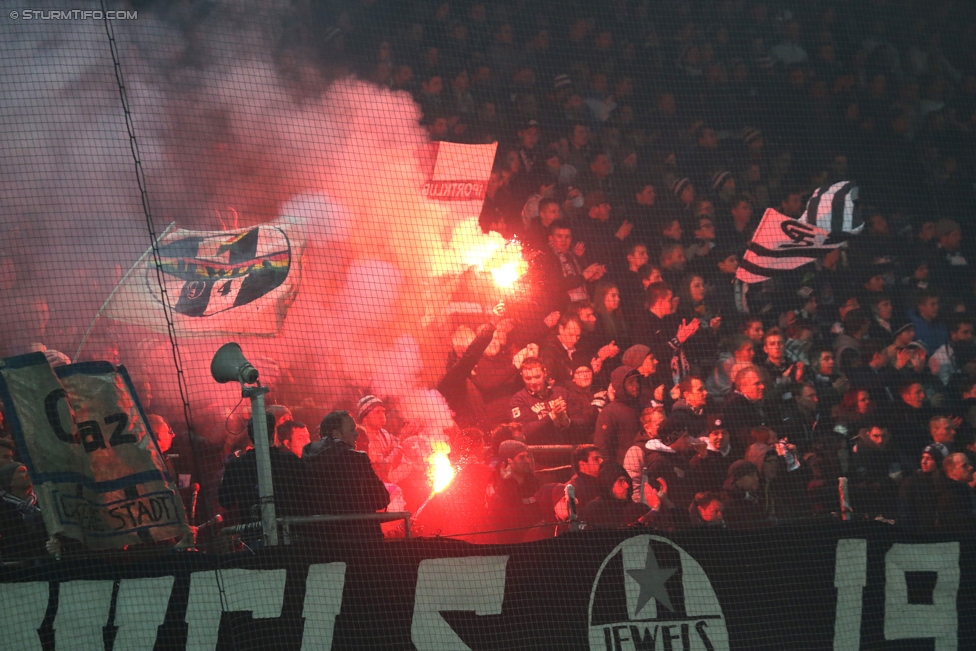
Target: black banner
820,585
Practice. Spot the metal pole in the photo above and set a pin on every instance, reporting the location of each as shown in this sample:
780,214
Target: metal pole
269,523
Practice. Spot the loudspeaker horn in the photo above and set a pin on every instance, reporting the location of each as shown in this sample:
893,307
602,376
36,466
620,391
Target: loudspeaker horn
230,365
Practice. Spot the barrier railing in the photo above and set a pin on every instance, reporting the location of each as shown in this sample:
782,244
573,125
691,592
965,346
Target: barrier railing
287,522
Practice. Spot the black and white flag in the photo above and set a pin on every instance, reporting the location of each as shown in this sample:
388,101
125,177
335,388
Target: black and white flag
832,208
780,245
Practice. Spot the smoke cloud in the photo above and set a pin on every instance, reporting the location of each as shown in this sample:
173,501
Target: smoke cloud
234,124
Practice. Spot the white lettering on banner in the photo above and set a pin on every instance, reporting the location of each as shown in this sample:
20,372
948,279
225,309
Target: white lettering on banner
455,190
905,621
650,586
323,599
670,602
82,613
850,577
262,592
22,610
472,583
139,611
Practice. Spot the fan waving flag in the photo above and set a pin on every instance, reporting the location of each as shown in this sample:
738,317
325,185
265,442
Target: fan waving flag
217,282
782,244
832,208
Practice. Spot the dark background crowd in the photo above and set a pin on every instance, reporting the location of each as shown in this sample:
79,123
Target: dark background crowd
640,143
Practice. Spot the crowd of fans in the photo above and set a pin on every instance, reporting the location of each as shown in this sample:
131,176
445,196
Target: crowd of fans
639,145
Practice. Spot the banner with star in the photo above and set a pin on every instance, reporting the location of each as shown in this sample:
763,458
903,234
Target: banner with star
815,585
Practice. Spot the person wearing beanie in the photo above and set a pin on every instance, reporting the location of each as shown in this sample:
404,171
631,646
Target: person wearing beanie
619,422
683,191
615,508
383,448
918,495
710,468
513,504
741,506
752,136
641,358
723,185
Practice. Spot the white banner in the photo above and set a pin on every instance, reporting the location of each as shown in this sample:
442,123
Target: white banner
217,282
458,174
97,471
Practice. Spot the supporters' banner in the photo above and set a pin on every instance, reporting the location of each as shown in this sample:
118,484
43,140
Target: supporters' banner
217,282
458,174
817,586
832,208
97,472
781,244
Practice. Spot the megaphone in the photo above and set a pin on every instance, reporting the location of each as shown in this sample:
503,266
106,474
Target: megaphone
230,365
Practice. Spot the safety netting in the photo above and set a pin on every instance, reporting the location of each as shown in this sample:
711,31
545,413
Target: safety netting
470,325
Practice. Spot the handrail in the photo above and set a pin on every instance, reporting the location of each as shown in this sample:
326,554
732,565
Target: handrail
286,522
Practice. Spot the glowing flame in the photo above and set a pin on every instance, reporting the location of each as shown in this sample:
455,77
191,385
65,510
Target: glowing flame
490,253
507,266
440,472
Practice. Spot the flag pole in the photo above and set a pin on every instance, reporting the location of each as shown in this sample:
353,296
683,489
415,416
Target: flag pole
115,289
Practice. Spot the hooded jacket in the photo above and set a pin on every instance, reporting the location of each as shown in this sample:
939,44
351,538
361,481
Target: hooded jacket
742,510
608,512
619,423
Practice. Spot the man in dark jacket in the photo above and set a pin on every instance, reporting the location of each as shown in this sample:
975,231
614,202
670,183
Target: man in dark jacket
560,353
740,507
956,511
747,408
710,467
514,508
465,356
873,464
540,408
908,422
918,496
587,461
664,335
239,488
343,479
619,422
559,275
615,508
690,407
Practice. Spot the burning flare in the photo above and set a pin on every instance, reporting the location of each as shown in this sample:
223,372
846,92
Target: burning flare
440,472
486,252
